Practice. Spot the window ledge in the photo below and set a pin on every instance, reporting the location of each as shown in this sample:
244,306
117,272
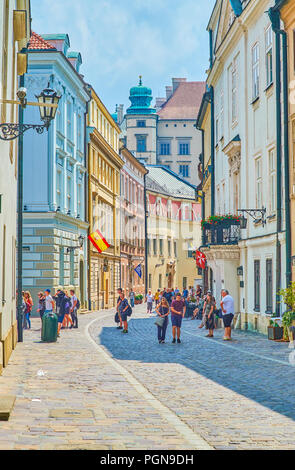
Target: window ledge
255,101
269,87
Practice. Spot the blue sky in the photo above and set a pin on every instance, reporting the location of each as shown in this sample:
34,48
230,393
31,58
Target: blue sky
121,39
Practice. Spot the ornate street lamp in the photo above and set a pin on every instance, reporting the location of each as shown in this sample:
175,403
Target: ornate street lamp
48,97
47,102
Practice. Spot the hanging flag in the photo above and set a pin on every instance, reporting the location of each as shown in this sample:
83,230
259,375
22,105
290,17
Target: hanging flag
200,259
138,270
98,241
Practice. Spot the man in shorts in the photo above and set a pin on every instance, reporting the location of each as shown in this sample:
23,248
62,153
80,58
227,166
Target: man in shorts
227,307
178,309
119,300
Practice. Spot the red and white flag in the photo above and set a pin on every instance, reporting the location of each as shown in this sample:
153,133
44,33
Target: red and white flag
200,259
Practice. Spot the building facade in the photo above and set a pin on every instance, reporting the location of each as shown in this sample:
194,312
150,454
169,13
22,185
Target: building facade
287,13
246,164
15,26
173,230
132,223
55,218
166,134
105,165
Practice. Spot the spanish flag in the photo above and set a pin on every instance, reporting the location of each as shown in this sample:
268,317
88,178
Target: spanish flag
98,241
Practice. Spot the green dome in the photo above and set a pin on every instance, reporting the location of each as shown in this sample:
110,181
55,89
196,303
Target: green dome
141,98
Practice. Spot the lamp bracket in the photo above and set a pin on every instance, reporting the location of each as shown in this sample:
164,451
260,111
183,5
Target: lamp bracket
258,215
10,131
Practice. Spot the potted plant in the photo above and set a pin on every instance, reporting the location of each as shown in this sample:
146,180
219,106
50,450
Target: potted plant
275,331
288,298
287,321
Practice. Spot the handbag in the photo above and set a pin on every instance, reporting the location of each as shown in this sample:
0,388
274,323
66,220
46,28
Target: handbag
160,321
117,319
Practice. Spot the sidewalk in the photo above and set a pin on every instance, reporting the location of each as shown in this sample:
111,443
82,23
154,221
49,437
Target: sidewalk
68,396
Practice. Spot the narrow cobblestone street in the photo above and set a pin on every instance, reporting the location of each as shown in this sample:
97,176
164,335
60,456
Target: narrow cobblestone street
98,389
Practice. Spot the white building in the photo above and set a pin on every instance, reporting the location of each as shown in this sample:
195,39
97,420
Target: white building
166,134
14,34
242,76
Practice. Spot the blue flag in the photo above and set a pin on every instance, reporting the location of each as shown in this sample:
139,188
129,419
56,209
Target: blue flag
138,270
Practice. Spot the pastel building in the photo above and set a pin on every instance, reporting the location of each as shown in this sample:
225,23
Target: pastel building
166,134
14,35
173,230
55,218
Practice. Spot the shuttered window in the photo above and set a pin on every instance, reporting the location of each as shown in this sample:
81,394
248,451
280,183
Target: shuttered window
269,298
257,285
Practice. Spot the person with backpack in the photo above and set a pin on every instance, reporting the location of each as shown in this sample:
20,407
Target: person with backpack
124,309
75,305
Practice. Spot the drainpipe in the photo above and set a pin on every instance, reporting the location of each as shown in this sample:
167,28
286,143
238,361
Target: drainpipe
145,242
212,152
274,14
275,21
286,161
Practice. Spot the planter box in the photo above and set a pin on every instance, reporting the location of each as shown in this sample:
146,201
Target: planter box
275,332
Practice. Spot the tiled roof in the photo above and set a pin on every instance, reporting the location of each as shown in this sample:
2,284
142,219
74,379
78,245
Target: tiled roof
38,43
185,102
163,180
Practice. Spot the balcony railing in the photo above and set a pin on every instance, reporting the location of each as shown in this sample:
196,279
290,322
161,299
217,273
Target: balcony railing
225,232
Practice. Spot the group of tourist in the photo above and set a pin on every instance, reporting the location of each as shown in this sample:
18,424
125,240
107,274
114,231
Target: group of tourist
173,302
65,305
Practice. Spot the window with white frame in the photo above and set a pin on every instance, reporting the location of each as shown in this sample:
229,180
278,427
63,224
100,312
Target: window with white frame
59,188
165,147
272,180
221,114
184,170
234,108
69,120
269,56
183,148
258,182
255,71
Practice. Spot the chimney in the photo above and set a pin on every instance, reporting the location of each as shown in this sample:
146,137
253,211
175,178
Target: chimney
160,102
169,92
176,82
120,113
75,59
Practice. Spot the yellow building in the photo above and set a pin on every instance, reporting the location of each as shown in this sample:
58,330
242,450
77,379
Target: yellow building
288,17
15,32
173,230
104,165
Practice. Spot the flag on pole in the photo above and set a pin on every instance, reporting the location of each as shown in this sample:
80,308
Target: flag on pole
200,259
138,270
98,241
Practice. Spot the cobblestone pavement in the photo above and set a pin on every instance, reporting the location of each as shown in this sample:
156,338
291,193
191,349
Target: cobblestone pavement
133,393
237,395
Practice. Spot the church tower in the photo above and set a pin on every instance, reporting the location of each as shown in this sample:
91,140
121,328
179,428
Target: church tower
141,124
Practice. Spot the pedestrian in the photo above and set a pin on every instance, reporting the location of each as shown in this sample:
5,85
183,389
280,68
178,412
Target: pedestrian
149,302
157,297
74,308
29,304
123,307
60,308
178,309
119,292
202,312
67,307
208,314
163,312
185,293
168,295
41,306
131,297
228,308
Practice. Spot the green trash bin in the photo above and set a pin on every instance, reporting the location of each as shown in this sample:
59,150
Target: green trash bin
49,327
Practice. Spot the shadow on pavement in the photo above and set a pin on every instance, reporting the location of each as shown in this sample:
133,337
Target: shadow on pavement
258,378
